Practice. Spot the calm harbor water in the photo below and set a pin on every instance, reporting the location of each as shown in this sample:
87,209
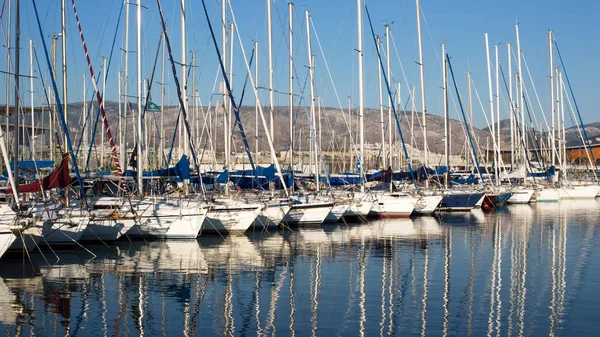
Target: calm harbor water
530,270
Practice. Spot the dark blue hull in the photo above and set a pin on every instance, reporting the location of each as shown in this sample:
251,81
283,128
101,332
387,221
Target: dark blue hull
460,202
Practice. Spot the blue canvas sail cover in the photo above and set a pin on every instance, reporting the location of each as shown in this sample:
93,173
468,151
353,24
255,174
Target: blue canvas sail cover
181,170
28,168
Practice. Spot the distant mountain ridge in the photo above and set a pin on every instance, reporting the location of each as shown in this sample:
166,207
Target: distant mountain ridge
335,133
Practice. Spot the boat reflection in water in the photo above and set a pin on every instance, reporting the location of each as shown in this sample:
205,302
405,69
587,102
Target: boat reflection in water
522,270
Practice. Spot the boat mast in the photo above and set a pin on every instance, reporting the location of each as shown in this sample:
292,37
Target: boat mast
162,103
291,88
511,110
186,140
8,46
229,106
559,121
382,123
413,109
32,137
256,102
224,90
311,70
64,67
498,150
123,140
103,103
446,118
562,122
521,96
491,88
552,102
270,42
86,139
422,73
361,102
389,78
139,93
17,101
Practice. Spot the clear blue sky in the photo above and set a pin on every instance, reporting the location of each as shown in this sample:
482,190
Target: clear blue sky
460,24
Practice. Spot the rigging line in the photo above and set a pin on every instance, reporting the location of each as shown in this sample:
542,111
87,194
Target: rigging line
147,99
534,90
352,142
100,103
229,91
269,140
513,111
587,144
569,107
60,109
43,82
312,129
90,107
288,43
390,96
464,117
179,96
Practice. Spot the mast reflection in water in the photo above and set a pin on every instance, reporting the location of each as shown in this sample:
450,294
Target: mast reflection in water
523,270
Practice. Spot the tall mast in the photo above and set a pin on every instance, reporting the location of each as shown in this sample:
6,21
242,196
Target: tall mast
381,120
562,122
64,67
139,99
361,101
422,72
184,91
119,119
103,103
291,87
271,92
552,108
521,96
8,46
491,90
256,112
54,107
229,106
498,150
86,139
470,106
32,137
224,91
311,71
162,103
413,109
389,78
511,110
123,140
559,121
446,118
400,155
17,48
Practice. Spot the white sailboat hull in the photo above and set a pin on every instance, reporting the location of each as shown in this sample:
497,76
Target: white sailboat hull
427,204
579,192
225,219
30,237
548,195
307,214
392,206
336,213
521,196
168,219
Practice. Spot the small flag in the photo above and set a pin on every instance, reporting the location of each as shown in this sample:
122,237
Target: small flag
151,107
